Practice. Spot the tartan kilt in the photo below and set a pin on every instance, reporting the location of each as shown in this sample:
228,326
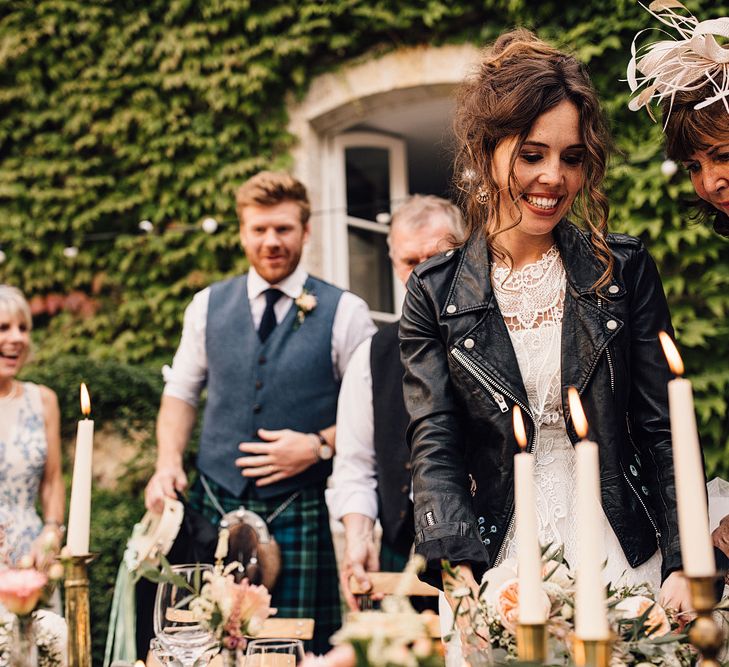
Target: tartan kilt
308,584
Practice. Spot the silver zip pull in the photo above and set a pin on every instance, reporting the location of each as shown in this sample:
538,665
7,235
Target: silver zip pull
501,402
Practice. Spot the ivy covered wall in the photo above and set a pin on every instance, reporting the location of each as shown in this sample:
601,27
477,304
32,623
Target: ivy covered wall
116,111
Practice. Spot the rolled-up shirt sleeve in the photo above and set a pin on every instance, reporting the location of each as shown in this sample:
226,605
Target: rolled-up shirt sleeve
187,377
353,484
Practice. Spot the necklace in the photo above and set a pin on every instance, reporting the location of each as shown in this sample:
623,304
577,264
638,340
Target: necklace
11,394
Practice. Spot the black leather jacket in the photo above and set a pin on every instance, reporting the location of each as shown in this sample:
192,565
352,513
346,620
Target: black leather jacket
462,380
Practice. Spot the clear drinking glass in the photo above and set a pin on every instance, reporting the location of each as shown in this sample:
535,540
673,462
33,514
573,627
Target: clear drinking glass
177,631
274,653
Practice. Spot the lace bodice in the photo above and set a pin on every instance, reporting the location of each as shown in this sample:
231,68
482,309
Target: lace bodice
531,300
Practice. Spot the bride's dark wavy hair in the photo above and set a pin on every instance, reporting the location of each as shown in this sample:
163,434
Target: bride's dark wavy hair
520,78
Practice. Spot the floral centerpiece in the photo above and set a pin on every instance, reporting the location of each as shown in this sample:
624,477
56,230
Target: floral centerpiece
231,607
644,633
28,636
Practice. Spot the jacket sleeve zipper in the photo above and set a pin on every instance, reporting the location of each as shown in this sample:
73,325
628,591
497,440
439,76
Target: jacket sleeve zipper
643,505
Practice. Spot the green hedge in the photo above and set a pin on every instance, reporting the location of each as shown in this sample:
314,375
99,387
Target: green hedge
120,110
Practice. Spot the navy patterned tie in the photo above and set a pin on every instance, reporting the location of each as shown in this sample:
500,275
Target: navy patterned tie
268,321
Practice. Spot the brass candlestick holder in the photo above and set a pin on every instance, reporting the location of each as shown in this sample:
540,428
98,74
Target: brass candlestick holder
531,642
592,652
78,616
705,634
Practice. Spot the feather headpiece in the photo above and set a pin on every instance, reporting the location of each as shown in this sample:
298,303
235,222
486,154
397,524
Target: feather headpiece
688,61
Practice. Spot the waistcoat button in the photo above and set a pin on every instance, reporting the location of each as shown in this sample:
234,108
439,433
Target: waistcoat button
261,360
612,325
257,408
405,488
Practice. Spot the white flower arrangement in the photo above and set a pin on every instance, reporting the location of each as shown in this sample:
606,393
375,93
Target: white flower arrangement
645,633
51,637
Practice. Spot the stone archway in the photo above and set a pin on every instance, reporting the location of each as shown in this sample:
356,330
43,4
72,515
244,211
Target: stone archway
348,97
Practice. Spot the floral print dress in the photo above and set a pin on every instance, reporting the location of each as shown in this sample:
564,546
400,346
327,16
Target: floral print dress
23,450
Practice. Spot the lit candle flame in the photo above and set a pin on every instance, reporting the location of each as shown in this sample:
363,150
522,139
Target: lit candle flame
519,430
671,352
578,414
85,401
139,663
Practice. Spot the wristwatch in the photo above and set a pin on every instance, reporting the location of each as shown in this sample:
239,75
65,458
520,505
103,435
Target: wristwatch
325,450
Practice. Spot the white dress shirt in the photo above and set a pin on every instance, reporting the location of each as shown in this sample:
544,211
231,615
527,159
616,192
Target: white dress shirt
186,379
353,483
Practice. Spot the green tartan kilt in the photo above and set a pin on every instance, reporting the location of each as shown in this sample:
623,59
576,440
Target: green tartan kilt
308,585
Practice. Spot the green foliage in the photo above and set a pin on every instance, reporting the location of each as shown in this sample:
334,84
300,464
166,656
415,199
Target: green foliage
126,395
112,112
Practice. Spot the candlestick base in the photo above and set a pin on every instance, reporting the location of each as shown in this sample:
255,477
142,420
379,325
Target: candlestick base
78,617
531,642
705,634
592,652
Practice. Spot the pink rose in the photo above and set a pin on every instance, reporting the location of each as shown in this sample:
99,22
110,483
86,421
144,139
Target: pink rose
20,590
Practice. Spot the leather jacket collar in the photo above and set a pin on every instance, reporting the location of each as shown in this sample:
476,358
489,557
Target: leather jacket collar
469,292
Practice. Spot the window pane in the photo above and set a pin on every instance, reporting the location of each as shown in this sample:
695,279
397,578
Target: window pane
368,182
370,275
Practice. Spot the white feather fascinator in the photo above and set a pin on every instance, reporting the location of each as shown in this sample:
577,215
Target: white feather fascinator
687,61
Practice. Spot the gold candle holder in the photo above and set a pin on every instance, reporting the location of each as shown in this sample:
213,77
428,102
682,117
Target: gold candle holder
705,634
531,642
78,616
592,652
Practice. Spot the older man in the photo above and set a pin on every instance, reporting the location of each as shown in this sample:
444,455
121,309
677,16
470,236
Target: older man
371,476
271,347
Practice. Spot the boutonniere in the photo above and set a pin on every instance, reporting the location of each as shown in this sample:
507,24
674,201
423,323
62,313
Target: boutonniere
305,304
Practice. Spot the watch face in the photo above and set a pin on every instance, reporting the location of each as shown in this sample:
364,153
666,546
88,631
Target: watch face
325,452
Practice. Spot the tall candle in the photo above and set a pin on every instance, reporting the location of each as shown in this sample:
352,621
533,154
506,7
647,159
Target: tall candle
532,609
79,515
590,606
697,551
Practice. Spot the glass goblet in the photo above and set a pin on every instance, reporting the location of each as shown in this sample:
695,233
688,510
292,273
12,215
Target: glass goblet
274,653
178,632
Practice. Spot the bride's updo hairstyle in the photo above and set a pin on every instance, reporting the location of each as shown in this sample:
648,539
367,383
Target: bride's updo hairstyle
519,79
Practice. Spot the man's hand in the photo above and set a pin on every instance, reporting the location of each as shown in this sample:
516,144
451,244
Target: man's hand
283,454
360,555
720,536
164,483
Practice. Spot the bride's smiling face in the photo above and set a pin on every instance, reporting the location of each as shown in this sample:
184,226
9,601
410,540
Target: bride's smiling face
548,172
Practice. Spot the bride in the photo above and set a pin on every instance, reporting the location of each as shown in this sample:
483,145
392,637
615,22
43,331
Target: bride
531,304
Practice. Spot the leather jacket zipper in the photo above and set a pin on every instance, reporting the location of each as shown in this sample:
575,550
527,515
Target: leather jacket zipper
497,392
609,358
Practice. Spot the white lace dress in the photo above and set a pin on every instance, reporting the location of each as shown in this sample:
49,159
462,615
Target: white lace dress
531,301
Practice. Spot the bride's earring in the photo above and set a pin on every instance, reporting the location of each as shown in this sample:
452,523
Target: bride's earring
483,196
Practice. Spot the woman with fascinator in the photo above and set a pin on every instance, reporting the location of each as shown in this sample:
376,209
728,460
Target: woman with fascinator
688,77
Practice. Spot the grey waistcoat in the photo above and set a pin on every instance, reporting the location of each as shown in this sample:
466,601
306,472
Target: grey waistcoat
286,382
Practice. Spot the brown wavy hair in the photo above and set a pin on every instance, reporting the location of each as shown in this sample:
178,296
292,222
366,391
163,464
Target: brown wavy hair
689,130
519,79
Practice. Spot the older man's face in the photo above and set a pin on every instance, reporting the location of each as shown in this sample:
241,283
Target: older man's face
409,247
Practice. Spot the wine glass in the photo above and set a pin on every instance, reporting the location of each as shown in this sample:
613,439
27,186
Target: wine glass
274,653
175,626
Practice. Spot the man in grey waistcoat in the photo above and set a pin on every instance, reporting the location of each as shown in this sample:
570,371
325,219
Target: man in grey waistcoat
271,347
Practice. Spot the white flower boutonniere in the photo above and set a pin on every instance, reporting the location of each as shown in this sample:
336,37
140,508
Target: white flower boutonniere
305,304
